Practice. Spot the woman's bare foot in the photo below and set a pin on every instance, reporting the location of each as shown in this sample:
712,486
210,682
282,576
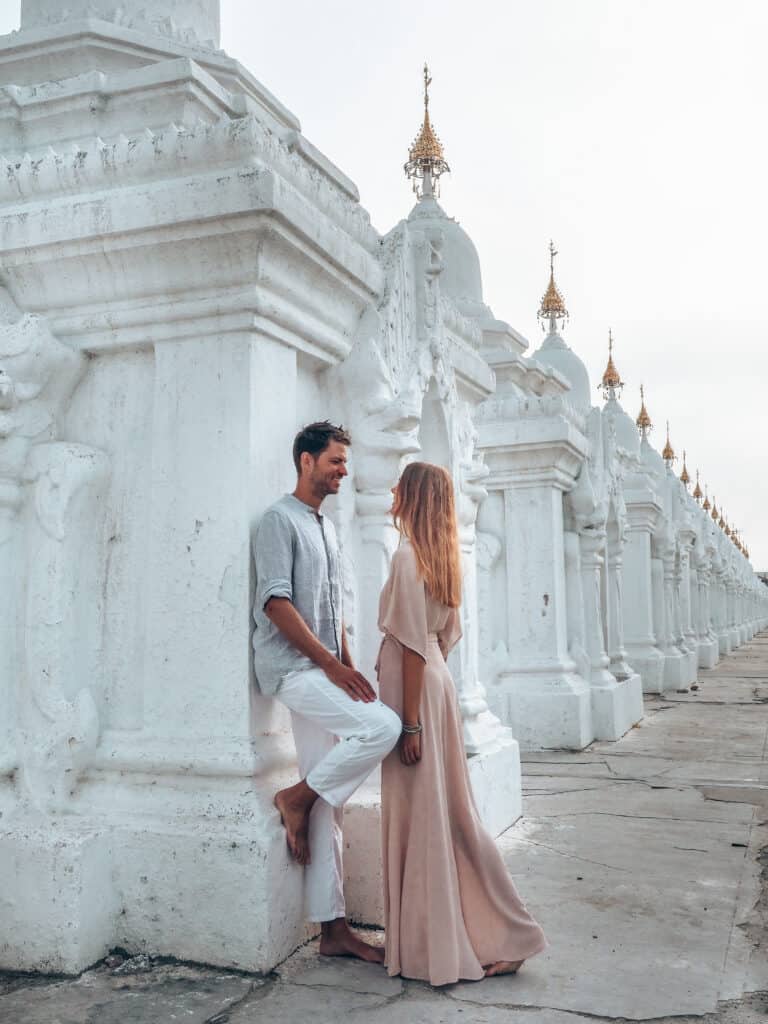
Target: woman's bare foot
294,805
338,939
503,967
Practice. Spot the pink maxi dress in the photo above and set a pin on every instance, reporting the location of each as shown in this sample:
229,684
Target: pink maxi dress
450,905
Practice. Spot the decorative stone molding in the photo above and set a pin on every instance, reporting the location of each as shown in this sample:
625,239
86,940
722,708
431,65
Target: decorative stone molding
61,482
195,22
95,165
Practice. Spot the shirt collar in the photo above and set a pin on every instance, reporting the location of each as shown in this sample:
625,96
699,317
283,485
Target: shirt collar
303,505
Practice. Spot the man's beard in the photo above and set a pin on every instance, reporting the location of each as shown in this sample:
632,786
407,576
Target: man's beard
322,486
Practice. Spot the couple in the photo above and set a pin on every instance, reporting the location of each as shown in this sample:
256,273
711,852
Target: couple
451,909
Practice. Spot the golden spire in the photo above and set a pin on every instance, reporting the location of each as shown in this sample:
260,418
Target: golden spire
715,513
611,379
684,478
697,489
721,520
426,161
552,304
706,506
668,454
643,420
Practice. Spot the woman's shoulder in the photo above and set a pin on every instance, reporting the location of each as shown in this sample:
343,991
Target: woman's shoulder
404,556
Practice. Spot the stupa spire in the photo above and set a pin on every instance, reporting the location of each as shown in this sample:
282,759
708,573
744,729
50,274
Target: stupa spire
426,160
684,477
706,505
643,420
611,382
552,306
668,453
715,513
697,489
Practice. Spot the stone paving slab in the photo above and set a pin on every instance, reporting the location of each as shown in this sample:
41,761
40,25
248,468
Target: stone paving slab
167,993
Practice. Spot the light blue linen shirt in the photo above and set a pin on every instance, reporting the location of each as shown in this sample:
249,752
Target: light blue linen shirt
297,557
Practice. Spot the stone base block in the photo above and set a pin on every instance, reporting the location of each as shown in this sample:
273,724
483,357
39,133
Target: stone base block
692,658
58,907
615,709
709,653
545,711
735,637
724,642
648,662
210,892
497,787
677,674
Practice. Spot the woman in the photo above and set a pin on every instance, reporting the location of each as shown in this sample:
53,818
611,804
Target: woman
451,909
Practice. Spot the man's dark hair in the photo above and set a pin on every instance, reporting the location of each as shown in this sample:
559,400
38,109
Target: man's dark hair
315,438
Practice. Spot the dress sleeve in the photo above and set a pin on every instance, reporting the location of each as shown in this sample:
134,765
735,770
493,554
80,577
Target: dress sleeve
403,611
451,632
273,555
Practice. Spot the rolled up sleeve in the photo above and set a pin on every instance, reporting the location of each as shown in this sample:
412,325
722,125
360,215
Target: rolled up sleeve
273,555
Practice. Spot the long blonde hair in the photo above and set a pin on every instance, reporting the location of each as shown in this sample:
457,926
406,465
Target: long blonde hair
425,512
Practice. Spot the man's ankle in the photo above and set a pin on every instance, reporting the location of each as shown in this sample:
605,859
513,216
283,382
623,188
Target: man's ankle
330,929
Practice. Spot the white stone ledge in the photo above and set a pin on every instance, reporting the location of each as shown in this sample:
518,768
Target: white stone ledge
33,118
237,146
60,50
216,207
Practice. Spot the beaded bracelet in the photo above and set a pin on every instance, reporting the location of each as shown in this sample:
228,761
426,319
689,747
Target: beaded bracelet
412,730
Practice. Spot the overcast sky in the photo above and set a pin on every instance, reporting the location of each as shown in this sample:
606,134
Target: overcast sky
632,133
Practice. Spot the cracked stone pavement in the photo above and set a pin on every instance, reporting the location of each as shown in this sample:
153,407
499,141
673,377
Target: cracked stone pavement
645,860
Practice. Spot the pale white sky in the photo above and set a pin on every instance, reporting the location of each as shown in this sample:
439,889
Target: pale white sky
633,133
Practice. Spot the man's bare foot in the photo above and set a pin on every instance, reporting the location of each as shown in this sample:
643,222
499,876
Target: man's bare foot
503,967
294,810
338,939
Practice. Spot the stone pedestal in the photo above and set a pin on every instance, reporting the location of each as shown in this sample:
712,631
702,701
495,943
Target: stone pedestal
619,665
675,660
614,701
708,647
639,636
720,617
538,692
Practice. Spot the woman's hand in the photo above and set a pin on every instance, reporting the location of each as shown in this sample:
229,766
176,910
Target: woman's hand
410,748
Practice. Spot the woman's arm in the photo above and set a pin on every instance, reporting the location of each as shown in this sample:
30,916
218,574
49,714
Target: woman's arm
413,684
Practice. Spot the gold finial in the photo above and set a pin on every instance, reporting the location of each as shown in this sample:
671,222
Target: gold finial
668,454
552,304
706,506
697,489
426,161
721,520
727,529
643,420
715,513
611,379
684,478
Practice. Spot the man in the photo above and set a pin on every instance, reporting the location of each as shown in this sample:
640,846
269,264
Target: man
341,730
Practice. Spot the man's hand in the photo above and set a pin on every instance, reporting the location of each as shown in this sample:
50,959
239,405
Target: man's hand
282,612
410,748
350,681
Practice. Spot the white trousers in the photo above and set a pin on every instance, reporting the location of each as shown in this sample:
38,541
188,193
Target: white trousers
339,742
